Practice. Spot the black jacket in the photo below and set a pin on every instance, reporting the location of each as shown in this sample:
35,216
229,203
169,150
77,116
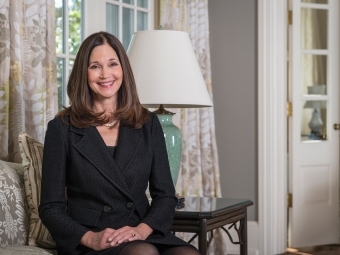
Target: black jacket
103,191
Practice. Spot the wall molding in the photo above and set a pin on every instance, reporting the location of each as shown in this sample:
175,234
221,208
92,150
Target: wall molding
272,126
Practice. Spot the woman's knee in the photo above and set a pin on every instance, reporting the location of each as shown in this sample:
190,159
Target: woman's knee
139,248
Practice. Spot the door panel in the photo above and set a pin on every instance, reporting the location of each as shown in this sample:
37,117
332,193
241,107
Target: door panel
313,143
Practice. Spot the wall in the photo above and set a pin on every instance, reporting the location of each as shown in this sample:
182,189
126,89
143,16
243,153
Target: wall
233,45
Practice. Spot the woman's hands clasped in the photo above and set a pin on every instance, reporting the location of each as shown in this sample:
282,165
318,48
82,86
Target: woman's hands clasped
110,237
128,234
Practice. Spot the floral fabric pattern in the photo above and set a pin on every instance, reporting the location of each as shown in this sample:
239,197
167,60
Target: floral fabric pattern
27,250
28,87
13,216
199,174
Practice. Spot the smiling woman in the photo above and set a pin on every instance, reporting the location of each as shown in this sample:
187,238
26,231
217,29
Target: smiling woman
101,87
107,209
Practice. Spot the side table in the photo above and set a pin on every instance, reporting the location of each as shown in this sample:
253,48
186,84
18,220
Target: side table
201,215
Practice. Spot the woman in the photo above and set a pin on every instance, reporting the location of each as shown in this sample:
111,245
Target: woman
105,148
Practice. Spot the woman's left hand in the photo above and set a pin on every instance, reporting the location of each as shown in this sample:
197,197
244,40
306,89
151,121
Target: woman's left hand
128,234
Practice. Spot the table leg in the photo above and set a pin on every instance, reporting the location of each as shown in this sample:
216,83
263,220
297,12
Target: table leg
202,237
244,244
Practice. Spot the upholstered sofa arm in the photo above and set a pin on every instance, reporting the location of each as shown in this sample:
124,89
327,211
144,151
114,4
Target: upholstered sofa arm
14,213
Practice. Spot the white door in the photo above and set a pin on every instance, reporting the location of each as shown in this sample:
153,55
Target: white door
313,142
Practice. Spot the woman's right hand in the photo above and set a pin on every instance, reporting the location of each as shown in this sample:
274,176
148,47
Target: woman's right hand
97,241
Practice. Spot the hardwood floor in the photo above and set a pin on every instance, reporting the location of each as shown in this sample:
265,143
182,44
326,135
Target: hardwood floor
317,250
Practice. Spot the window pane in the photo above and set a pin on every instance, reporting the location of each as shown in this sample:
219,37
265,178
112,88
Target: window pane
314,28
112,19
314,120
74,17
60,68
59,26
314,74
142,21
129,1
127,26
66,100
142,3
70,66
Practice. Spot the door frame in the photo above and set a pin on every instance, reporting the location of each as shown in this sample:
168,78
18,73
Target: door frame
272,126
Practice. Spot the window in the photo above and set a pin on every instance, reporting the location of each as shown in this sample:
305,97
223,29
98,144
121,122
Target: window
68,39
125,17
76,19
121,17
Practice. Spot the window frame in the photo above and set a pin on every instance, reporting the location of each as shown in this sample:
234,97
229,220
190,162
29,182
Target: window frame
66,56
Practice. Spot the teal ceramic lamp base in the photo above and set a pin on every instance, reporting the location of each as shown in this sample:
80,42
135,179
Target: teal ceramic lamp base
173,141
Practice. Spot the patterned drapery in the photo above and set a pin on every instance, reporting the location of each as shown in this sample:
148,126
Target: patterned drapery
28,86
199,174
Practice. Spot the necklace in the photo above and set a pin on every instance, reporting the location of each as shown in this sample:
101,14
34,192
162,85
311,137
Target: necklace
110,124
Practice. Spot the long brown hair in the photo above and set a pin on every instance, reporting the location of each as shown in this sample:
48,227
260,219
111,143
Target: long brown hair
129,110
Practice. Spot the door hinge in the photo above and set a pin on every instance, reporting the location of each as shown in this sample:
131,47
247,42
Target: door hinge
289,109
290,17
290,200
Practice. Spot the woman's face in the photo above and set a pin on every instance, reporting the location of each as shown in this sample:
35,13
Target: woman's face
104,73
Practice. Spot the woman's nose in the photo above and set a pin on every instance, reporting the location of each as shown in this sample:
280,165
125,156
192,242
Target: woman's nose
104,73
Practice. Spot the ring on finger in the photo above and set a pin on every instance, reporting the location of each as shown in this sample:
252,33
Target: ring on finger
133,234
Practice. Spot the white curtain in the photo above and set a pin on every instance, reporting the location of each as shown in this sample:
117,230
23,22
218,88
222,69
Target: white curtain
28,87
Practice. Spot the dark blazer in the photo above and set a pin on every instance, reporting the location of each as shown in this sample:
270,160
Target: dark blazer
103,191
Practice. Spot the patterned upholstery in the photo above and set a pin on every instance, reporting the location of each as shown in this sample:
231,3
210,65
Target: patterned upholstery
13,216
31,153
26,250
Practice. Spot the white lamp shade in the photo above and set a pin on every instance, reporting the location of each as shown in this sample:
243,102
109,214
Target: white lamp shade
166,70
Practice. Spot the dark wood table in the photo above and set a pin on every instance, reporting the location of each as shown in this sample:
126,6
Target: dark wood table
201,215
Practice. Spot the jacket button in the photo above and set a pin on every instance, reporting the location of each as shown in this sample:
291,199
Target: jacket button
129,205
107,208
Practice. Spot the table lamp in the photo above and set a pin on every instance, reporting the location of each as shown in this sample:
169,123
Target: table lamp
316,122
167,75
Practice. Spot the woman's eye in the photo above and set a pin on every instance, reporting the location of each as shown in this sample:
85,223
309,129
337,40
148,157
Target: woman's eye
113,64
94,67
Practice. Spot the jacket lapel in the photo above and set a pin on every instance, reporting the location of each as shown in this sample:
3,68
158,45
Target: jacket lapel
93,148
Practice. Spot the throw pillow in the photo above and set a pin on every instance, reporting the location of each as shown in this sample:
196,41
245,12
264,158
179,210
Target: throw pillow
31,153
13,216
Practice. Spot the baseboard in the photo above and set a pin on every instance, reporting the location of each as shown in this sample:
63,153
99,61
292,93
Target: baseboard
253,240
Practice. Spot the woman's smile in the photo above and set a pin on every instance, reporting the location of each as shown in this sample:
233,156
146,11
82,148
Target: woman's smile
106,84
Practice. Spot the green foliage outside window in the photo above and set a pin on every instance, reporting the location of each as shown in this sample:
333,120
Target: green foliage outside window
74,26
67,45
